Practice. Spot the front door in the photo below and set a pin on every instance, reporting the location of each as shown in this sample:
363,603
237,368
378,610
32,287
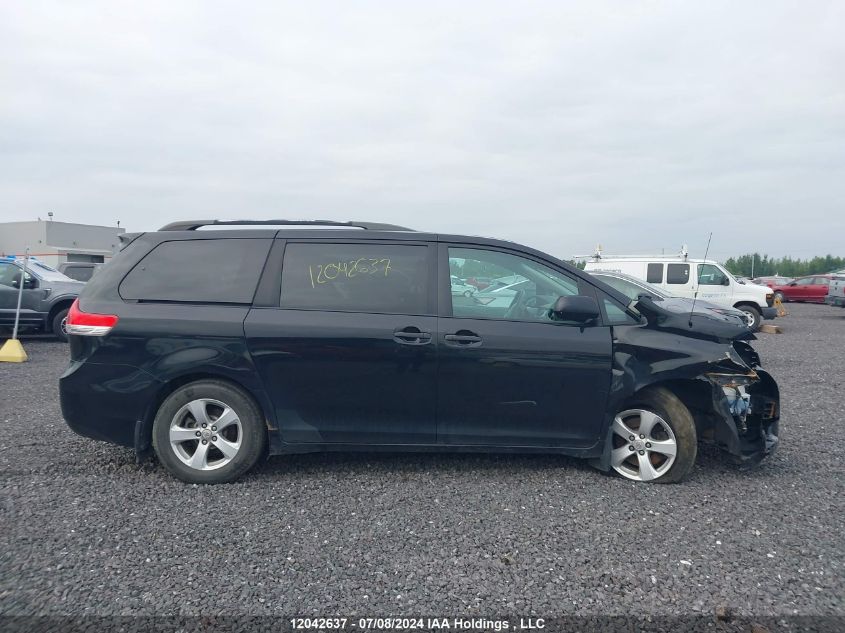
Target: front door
349,353
10,279
802,290
509,375
714,285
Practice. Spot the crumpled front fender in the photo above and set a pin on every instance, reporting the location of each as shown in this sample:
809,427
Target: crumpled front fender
755,437
646,356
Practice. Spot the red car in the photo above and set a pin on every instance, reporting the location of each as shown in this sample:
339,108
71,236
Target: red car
812,288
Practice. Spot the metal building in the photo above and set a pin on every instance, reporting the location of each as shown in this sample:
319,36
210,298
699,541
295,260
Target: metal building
58,242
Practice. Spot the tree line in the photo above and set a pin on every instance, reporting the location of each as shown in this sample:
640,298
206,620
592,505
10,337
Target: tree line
763,265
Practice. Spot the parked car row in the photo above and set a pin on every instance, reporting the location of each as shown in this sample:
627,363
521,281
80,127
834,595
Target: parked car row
635,288
811,288
46,298
705,280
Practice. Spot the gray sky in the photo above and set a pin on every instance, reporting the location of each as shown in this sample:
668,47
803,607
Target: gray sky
640,125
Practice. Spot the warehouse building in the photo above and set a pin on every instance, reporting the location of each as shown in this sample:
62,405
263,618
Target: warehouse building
57,242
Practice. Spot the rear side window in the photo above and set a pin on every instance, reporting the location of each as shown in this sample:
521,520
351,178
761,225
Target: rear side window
677,273
198,271
376,278
79,273
654,274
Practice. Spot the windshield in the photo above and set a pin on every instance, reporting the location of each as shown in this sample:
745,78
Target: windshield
633,289
731,275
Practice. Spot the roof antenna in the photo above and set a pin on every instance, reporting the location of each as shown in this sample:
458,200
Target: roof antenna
695,296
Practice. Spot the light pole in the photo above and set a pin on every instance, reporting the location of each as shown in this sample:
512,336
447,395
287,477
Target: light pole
20,294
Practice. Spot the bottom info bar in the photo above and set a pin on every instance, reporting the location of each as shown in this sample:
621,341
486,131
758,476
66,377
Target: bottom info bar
417,624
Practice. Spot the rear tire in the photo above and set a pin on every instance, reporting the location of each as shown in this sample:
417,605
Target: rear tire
59,325
188,442
665,442
752,316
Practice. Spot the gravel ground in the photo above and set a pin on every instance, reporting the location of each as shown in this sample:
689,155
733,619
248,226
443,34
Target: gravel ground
83,530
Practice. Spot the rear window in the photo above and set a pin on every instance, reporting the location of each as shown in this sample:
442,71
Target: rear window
198,271
654,274
677,273
376,278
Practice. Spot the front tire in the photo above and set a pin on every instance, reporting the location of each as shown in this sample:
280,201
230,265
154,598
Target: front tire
208,432
654,439
779,296
59,325
753,318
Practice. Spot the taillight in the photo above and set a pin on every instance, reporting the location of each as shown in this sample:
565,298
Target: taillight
87,324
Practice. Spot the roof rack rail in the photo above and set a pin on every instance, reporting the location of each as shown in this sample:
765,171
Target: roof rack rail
192,225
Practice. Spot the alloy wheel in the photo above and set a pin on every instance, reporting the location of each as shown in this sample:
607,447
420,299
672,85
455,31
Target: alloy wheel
205,434
644,446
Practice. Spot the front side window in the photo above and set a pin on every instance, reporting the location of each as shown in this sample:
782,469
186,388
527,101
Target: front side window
10,275
807,281
677,273
710,275
368,277
520,289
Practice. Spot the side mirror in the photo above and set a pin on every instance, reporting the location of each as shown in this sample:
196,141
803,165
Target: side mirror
576,308
793,283
727,282
30,283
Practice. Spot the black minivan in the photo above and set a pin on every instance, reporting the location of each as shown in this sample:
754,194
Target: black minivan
218,347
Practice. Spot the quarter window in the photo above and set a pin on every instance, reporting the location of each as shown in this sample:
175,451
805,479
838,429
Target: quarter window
375,278
198,271
654,274
616,314
677,273
520,289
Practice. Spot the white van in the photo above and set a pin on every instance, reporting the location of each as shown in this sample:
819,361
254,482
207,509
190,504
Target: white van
681,276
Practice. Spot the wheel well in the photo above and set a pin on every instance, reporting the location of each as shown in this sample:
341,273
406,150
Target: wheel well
61,305
171,386
697,396
739,305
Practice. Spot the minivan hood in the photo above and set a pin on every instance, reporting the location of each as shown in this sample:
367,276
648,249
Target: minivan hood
696,325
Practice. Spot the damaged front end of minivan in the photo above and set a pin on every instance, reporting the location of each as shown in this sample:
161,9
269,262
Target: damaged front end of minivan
708,364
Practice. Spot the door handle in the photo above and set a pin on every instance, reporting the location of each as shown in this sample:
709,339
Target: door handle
463,338
411,336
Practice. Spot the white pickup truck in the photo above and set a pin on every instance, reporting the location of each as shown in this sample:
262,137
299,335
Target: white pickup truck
836,291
